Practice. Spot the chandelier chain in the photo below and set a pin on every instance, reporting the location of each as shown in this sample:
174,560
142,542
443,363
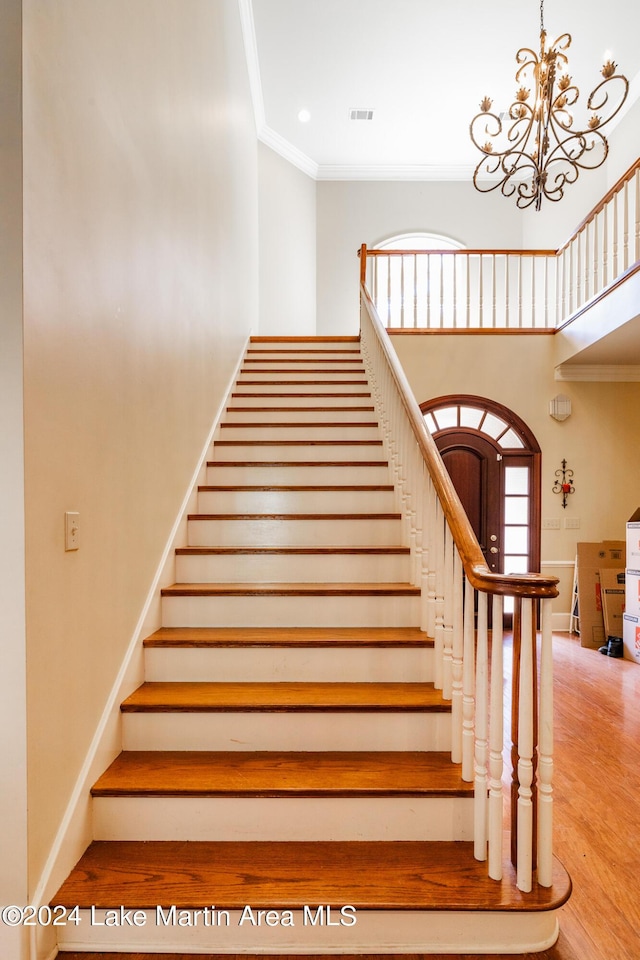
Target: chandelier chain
541,16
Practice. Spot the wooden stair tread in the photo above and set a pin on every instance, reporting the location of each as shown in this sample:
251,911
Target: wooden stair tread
268,394
295,589
288,637
316,409
298,359
282,774
290,551
351,338
284,697
298,443
299,488
370,875
297,463
307,424
293,516
304,383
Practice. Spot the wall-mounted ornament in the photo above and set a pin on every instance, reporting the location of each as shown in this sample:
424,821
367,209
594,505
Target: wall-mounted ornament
564,482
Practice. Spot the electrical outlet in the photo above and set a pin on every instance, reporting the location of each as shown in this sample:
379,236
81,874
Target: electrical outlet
71,530
572,523
551,523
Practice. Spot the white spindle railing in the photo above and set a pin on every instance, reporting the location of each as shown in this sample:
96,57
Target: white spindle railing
505,289
456,586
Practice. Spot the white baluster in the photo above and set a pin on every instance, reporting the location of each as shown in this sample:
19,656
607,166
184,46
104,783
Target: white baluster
493,290
428,291
626,225
441,272
525,755
415,290
519,291
388,291
447,633
480,291
431,557
468,683
402,292
587,261
455,290
545,751
637,186
496,738
457,659
468,262
507,260
605,246
438,638
615,236
596,262
481,733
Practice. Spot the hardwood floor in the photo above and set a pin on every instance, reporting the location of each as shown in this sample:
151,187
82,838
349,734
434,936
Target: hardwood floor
597,812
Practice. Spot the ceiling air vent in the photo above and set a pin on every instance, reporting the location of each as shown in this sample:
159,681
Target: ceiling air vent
360,113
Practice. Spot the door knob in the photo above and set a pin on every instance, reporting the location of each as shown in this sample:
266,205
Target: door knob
494,550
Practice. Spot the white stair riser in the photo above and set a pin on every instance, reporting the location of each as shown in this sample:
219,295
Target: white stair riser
295,473
292,415
283,385
256,397
247,611
311,731
298,532
289,664
298,451
277,819
297,501
375,932
293,568
302,431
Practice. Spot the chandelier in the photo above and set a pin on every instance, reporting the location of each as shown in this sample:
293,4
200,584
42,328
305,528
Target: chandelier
542,153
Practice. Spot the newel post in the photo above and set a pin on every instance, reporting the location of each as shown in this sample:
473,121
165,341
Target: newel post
363,263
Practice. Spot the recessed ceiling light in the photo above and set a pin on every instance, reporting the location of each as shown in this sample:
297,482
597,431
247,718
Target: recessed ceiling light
304,116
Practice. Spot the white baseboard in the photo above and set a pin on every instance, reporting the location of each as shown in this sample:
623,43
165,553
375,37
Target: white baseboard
76,829
560,622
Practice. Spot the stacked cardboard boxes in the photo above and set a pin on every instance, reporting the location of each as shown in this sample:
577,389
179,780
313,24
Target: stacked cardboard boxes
631,617
597,562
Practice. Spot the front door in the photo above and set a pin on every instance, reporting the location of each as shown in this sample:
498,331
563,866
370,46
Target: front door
475,467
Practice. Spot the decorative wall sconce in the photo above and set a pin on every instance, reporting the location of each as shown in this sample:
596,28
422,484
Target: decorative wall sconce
560,407
564,483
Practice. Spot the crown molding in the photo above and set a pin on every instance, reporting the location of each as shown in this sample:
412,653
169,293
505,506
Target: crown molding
287,150
422,171
598,373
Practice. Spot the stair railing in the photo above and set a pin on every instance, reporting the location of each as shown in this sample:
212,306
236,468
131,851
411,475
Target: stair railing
510,289
458,594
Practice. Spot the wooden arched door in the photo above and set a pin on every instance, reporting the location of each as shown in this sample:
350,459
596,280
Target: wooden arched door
494,461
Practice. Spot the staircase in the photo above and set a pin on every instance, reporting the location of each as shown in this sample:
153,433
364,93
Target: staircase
284,785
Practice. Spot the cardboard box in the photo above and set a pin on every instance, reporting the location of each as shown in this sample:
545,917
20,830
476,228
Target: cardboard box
633,543
633,593
631,637
592,558
612,592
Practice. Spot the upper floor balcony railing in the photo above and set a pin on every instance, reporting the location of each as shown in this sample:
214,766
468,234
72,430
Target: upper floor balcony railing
510,289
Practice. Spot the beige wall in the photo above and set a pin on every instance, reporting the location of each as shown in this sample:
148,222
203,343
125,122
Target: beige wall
599,441
13,718
353,213
287,247
140,202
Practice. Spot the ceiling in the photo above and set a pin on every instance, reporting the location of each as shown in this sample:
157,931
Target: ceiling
423,68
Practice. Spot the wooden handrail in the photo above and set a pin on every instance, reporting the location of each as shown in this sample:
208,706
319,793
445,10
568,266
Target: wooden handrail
599,207
531,585
465,252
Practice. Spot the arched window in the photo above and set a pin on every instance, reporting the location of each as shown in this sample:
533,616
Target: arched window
419,241
407,289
